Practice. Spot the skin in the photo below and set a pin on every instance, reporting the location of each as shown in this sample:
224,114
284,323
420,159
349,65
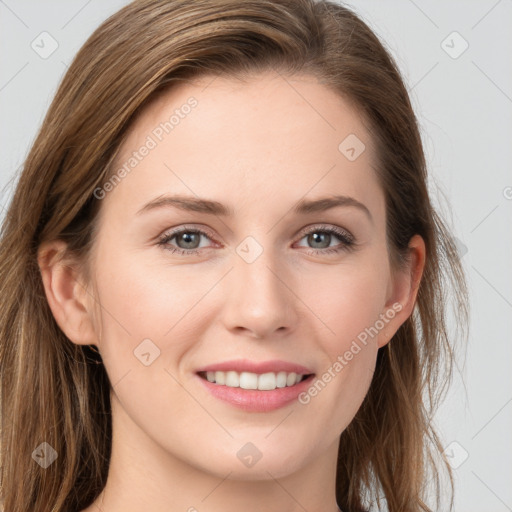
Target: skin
259,147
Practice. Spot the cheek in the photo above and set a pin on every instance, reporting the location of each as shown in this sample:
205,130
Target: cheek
135,303
143,321
332,400
148,297
347,299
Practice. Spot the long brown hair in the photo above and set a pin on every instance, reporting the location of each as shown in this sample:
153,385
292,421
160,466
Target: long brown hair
55,391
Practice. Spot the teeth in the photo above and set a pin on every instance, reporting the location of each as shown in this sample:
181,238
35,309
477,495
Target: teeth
248,380
267,381
232,380
281,380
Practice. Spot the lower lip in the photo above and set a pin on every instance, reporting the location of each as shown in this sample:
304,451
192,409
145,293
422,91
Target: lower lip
254,400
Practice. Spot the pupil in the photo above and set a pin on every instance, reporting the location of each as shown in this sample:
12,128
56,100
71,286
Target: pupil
188,238
317,238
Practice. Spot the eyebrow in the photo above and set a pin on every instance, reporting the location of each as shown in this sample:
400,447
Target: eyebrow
304,206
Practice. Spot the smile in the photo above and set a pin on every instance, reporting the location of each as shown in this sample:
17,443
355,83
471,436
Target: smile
248,380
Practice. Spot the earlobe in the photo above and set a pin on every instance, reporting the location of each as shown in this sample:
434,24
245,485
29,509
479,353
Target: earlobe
403,290
66,294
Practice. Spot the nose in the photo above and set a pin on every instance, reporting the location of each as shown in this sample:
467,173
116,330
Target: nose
260,300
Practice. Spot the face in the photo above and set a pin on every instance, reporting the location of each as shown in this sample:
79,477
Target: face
259,282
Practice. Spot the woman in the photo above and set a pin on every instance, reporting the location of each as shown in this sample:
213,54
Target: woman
222,278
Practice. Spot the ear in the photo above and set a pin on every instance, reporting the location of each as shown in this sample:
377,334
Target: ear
403,290
67,295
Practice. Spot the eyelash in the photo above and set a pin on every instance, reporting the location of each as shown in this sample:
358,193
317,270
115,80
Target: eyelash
347,240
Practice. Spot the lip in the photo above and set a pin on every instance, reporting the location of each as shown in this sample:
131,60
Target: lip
246,365
254,400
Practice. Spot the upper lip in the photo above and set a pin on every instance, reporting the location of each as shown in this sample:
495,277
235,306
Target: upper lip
246,365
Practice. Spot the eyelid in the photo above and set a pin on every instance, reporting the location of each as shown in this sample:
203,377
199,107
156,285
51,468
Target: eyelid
186,228
347,240
303,232
329,228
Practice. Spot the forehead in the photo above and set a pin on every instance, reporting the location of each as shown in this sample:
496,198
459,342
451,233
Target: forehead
269,136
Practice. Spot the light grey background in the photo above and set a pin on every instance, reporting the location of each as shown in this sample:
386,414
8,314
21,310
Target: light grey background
464,105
